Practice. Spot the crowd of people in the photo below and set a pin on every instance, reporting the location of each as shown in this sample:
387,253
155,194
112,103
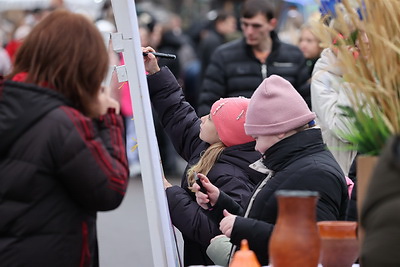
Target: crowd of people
247,112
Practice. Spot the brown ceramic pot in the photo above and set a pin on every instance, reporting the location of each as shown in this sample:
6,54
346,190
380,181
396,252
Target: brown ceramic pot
365,167
339,244
295,240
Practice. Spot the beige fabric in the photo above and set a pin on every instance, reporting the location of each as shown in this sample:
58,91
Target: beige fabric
328,92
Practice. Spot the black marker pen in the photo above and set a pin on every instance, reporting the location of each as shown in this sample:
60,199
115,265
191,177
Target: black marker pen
161,55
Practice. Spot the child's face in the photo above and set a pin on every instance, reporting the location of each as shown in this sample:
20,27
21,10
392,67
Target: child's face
309,44
208,132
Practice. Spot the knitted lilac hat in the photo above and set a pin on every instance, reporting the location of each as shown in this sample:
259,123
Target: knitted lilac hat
275,108
228,115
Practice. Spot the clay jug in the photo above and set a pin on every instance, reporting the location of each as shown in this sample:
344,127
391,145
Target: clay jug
365,167
244,257
295,240
339,244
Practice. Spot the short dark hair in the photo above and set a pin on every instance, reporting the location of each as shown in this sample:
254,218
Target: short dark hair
222,15
251,8
67,51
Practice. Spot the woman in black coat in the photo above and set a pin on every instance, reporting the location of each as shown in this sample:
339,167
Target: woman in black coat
215,144
62,151
295,158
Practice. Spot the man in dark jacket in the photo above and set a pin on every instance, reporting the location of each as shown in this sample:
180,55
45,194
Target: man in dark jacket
238,67
295,158
216,35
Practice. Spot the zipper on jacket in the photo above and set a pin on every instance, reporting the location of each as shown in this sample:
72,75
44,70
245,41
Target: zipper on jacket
250,204
264,70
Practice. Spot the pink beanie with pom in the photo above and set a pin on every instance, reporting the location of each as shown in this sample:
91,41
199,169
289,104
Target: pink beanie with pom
228,115
276,108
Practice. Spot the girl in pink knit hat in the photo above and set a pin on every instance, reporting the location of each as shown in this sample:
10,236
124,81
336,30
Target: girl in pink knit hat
215,144
294,157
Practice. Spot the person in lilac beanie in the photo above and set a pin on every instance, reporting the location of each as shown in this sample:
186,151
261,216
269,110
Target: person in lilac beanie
294,157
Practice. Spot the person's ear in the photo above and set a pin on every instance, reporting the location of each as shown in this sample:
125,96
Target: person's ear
273,22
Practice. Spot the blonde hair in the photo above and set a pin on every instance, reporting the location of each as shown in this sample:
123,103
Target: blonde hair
206,162
309,26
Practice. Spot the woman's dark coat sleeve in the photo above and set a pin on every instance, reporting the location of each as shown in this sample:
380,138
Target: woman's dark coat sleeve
101,182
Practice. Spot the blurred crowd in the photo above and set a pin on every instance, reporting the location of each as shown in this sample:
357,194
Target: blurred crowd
192,41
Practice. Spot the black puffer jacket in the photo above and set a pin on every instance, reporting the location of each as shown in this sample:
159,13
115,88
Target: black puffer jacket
57,169
207,46
235,71
299,162
231,173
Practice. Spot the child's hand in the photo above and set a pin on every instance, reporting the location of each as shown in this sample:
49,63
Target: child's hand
150,61
212,192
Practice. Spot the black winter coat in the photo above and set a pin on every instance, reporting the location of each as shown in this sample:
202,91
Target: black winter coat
299,162
235,71
231,173
57,169
207,46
